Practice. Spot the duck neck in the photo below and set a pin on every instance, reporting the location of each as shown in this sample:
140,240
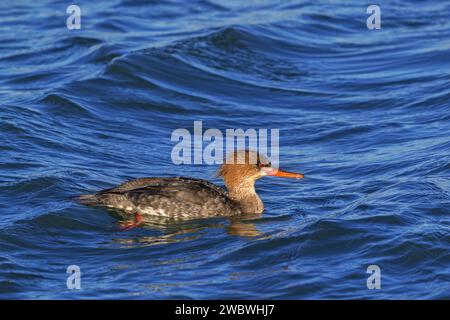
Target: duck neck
244,194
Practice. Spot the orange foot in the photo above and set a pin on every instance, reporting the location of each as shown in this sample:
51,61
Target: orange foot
130,224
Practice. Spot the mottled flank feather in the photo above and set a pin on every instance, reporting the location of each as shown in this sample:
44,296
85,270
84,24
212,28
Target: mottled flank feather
166,197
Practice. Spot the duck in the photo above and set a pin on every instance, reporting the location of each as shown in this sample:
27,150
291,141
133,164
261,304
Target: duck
191,198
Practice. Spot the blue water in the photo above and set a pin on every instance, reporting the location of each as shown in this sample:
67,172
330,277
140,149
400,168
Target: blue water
364,114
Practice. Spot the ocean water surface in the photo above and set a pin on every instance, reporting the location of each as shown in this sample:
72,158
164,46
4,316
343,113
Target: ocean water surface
364,114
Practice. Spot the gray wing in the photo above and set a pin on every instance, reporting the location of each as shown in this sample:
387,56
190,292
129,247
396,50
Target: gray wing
137,183
172,197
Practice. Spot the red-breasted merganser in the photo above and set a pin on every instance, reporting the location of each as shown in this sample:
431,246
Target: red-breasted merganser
182,197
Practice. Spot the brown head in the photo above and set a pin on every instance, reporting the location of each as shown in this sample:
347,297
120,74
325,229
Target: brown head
240,171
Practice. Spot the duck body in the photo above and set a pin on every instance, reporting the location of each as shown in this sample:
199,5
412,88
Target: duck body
177,197
182,197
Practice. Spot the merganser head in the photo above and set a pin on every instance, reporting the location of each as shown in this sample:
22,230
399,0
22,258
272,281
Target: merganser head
245,167
240,171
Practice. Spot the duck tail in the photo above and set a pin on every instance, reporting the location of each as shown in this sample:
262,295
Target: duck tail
87,199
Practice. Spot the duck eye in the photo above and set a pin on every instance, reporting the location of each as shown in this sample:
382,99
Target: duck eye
261,165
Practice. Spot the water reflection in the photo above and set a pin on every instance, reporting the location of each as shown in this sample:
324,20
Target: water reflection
243,226
168,230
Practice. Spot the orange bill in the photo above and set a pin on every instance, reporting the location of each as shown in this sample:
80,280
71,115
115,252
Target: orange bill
286,174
